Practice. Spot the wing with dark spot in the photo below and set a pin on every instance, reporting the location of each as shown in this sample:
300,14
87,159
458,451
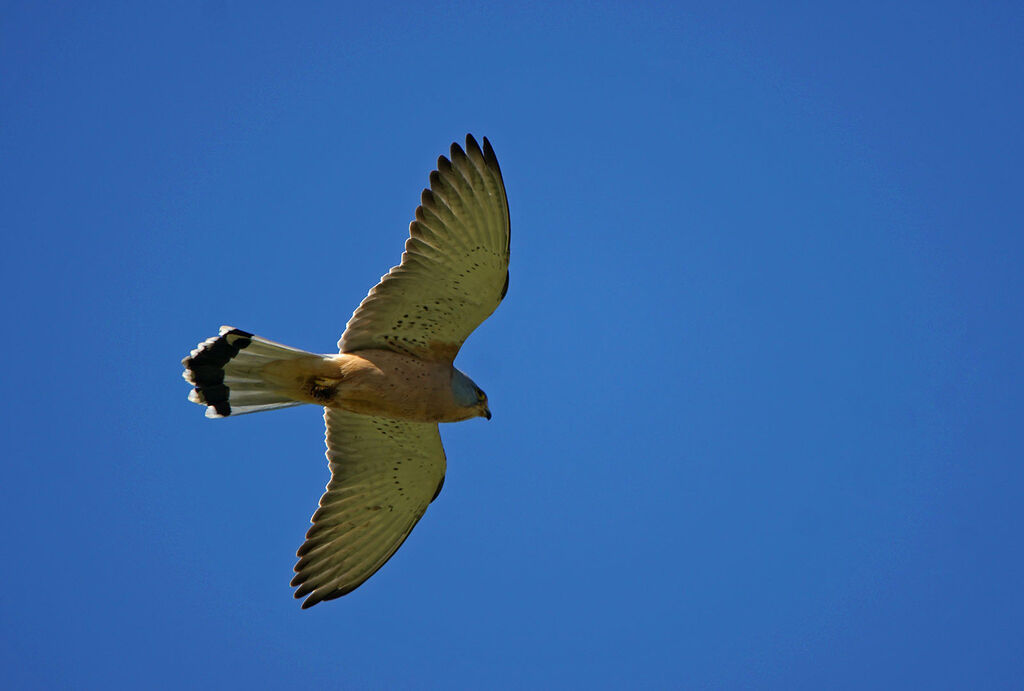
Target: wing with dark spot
454,271
384,473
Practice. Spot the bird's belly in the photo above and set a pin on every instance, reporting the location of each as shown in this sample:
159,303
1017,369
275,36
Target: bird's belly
393,385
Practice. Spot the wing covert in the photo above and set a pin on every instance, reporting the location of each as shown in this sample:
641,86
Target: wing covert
454,270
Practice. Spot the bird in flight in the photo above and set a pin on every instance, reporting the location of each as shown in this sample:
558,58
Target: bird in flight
392,381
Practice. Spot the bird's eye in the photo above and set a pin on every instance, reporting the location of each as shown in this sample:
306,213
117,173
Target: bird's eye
481,396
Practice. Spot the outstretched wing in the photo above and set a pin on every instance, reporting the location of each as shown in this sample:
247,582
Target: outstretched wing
454,271
384,473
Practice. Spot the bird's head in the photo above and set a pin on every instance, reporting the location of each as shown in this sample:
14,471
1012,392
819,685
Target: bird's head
469,395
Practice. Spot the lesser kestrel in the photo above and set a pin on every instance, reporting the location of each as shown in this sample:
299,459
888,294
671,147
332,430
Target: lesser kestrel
391,383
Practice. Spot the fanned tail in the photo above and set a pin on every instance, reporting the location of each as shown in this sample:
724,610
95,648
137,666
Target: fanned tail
227,373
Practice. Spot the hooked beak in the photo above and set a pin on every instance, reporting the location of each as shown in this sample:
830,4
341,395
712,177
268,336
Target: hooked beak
487,413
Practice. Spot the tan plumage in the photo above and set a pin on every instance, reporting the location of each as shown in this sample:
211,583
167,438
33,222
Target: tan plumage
392,381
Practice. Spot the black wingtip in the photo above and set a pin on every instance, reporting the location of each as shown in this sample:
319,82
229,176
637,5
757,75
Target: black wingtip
489,151
314,599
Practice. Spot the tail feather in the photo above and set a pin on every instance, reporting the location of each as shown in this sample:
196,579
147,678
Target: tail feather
226,373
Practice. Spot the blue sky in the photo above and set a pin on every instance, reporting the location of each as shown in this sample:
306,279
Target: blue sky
756,384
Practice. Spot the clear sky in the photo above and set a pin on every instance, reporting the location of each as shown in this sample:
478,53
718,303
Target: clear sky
757,383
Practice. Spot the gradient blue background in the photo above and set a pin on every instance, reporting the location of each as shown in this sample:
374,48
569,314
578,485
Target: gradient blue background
756,385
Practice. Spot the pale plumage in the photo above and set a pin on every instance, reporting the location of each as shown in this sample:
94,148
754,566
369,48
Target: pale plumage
392,381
